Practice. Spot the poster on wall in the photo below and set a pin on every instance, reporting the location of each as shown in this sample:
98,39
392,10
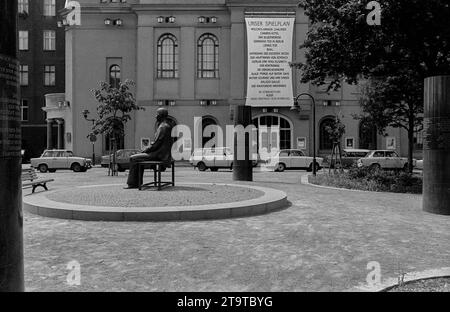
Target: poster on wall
269,81
350,142
301,143
390,143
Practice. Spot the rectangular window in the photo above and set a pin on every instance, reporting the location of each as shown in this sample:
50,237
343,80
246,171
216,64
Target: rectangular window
23,6
49,8
24,75
49,76
49,40
24,107
23,40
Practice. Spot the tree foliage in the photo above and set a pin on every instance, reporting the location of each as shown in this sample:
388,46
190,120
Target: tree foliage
412,43
414,36
115,106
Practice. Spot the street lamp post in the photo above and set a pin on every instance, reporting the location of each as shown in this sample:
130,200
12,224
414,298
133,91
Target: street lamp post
85,115
297,107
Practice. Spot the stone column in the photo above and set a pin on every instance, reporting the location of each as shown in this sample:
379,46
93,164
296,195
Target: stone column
60,133
49,133
436,145
11,217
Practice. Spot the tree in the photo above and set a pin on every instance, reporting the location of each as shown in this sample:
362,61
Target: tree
115,106
412,43
335,131
395,101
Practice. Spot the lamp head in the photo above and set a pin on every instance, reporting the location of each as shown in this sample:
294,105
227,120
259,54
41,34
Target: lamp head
296,106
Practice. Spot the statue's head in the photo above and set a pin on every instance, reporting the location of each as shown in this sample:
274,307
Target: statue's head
162,114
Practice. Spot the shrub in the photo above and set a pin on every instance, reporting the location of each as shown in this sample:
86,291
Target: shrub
368,180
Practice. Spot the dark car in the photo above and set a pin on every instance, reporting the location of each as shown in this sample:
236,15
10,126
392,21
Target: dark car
349,157
122,159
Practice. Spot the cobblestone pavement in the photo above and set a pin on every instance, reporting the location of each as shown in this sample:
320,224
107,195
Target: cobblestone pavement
323,242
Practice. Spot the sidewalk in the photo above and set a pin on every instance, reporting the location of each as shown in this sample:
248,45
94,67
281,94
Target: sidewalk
322,243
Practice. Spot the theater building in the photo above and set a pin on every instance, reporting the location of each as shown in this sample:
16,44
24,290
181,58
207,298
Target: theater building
200,59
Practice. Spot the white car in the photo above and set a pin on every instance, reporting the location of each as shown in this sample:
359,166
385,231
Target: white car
215,158
384,159
292,159
51,160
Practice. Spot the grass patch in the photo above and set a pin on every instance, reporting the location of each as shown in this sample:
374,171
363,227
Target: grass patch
375,181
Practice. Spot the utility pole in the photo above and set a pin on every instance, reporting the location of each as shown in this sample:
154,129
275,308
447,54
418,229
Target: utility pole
11,218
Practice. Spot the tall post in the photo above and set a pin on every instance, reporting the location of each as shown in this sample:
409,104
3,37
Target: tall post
49,133
11,218
314,169
60,134
242,168
436,145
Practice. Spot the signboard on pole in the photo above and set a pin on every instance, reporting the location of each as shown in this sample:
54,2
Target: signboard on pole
269,80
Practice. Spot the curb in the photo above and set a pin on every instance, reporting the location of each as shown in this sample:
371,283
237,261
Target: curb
272,200
409,277
304,180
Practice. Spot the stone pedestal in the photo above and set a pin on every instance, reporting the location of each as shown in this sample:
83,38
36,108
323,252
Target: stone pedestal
436,145
11,218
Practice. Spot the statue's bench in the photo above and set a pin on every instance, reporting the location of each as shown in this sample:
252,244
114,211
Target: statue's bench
157,167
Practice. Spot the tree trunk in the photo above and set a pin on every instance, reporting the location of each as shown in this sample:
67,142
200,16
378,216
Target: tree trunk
410,144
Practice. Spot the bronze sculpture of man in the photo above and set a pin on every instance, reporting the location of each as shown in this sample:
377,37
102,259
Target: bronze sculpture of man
159,150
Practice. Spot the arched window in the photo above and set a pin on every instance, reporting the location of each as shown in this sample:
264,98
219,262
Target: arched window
114,76
167,56
208,56
326,143
367,136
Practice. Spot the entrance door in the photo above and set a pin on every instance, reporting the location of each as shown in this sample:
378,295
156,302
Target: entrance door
274,133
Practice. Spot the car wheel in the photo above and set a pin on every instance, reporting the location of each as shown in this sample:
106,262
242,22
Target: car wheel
375,167
201,166
231,167
76,167
43,168
280,167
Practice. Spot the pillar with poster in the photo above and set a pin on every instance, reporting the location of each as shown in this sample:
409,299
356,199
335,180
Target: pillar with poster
11,218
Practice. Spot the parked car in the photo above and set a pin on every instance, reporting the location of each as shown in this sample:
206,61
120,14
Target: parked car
349,157
384,159
292,159
52,160
122,159
419,164
215,158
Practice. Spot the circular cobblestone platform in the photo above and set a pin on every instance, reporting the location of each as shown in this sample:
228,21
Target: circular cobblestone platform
197,201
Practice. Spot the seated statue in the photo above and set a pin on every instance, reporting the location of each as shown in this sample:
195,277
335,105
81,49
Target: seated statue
159,150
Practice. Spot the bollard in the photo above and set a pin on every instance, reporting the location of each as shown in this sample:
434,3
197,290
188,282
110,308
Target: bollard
436,145
242,168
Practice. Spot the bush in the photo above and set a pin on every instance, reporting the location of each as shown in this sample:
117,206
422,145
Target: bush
368,180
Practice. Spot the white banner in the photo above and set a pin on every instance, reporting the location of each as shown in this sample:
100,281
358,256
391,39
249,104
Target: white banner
269,54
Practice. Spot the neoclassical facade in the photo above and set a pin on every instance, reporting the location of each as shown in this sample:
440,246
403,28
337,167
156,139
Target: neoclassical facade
191,56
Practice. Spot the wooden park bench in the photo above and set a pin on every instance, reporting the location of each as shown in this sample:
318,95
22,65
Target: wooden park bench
30,179
157,167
